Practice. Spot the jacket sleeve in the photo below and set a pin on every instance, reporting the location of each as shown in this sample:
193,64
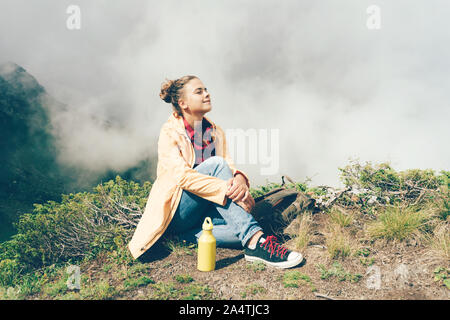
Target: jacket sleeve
230,161
205,186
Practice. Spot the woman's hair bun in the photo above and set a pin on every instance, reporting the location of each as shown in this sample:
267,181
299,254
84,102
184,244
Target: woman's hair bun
165,93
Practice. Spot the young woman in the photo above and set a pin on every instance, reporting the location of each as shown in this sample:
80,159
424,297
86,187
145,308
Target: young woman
197,178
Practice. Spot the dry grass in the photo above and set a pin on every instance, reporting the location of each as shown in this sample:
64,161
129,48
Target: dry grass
440,240
340,217
338,241
401,223
303,234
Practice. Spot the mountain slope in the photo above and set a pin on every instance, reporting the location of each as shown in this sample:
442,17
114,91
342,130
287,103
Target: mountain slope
29,171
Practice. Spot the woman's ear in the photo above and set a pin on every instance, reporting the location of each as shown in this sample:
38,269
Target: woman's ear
183,105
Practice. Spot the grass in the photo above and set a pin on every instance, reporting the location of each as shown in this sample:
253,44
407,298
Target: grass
101,289
180,247
399,223
58,288
440,240
107,267
256,266
303,234
183,278
294,279
338,242
137,269
113,273
196,292
252,290
339,238
337,271
131,284
11,293
363,255
169,291
442,276
340,218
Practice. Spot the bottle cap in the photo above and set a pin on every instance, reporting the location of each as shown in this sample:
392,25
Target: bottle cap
207,224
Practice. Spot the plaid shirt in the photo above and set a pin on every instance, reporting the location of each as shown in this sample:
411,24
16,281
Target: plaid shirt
204,146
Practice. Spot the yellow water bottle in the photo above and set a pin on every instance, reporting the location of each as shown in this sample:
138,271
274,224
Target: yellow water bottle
206,260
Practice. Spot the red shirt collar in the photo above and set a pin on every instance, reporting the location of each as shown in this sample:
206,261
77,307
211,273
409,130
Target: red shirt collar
206,126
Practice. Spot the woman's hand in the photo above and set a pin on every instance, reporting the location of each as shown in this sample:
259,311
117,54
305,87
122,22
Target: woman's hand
247,203
239,193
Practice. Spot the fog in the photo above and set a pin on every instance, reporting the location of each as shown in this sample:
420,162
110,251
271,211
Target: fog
334,88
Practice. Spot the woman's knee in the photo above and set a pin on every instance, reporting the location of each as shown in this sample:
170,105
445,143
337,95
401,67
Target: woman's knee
217,161
216,165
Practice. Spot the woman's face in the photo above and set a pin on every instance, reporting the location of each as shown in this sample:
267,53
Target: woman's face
195,99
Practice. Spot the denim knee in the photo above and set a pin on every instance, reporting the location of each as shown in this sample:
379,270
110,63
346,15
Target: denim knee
217,161
215,166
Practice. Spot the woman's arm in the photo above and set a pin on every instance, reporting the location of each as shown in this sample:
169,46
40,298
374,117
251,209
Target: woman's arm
171,160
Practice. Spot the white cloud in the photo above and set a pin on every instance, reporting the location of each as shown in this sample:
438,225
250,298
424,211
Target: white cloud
311,69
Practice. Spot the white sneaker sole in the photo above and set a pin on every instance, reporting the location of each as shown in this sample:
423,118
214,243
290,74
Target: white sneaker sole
280,265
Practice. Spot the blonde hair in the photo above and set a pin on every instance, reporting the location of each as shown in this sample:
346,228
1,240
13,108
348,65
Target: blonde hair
171,91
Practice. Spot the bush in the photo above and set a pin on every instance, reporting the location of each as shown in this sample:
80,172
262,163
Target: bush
387,186
9,271
82,225
261,190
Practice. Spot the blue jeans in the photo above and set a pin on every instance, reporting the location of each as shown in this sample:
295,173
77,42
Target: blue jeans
233,226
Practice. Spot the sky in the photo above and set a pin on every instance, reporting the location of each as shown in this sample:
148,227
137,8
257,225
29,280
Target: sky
315,78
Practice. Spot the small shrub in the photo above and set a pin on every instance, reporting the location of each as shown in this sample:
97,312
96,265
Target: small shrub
390,187
79,227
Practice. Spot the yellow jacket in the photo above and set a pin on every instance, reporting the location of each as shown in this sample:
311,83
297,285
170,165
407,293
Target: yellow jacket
174,174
